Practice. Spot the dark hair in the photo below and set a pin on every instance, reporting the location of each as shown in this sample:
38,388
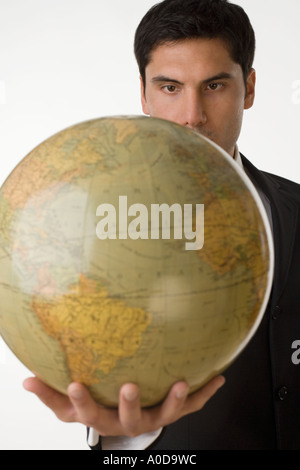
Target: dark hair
175,20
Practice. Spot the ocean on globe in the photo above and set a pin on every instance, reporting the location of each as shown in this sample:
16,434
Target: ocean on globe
132,250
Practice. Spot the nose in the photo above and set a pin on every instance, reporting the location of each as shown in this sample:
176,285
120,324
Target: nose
193,113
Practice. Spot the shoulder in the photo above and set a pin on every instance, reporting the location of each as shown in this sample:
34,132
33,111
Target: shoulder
272,182
287,189
283,182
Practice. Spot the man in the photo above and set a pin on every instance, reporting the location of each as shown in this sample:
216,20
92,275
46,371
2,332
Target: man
195,59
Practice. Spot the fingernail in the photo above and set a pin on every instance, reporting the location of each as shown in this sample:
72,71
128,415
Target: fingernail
130,395
180,394
76,394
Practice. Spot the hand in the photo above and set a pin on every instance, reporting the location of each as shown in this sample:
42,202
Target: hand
129,419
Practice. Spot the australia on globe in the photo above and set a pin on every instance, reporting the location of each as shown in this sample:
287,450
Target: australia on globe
132,250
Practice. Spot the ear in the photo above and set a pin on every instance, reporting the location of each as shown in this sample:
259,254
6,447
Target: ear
143,98
250,91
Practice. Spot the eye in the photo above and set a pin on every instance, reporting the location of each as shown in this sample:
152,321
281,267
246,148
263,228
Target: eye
215,86
169,88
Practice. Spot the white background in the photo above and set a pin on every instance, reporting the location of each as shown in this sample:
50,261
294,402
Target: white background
66,61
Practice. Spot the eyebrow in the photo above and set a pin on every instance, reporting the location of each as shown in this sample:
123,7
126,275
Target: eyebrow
219,76
163,78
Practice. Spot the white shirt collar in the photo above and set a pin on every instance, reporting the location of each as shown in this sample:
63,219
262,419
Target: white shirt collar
237,156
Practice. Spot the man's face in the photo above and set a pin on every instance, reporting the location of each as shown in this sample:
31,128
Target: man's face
197,84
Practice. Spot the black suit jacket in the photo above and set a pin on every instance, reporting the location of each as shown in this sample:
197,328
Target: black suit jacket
259,405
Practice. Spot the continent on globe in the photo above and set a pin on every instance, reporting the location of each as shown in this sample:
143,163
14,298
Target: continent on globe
92,330
132,250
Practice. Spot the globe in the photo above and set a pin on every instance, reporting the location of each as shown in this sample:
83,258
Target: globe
132,250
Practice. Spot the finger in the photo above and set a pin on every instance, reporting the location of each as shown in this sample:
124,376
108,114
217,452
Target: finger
173,404
85,407
197,400
56,401
89,413
130,413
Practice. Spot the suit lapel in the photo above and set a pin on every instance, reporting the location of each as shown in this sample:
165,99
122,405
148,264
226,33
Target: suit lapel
284,219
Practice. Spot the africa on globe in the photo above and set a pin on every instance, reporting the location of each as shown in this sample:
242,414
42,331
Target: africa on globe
132,250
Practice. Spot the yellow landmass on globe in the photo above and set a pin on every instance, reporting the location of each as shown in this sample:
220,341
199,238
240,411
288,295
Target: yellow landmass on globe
123,130
40,178
224,217
92,329
31,177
